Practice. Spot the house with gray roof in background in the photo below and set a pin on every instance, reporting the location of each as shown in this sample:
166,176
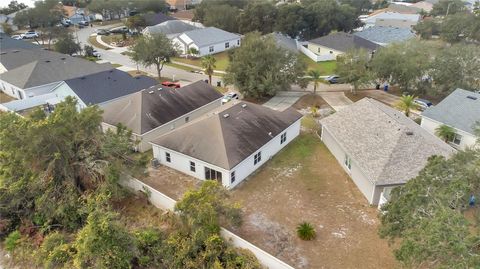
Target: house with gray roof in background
229,144
170,28
379,147
206,41
383,35
156,110
461,111
285,42
327,48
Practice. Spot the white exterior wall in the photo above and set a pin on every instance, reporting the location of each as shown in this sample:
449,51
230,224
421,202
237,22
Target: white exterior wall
63,90
2,69
15,91
181,162
11,90
146,138
367,188
246,167
468,140
184,43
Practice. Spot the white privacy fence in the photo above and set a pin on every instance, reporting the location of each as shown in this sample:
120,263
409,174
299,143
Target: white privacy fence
315,57
162,201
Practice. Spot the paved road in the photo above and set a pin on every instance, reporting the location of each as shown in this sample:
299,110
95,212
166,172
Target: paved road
283,100
382,96
337,100
113,57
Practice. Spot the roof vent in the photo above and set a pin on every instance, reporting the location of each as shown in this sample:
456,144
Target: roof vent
150,92
159,88
111,71
137,77
409,132
3,53
47,61
270,133
15,51
226,115
82,78
472,97
244,105
63,58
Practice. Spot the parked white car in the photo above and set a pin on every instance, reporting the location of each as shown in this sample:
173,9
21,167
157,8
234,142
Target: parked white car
228,97
96,53
30,34
17,37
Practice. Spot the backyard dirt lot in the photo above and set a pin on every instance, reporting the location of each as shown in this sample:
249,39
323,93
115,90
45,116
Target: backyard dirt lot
302,183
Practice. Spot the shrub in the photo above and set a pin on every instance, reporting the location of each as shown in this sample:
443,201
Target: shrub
149,245
49,244
12,240
306,231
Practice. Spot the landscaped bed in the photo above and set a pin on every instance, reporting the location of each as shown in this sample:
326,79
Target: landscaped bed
221,63
304,182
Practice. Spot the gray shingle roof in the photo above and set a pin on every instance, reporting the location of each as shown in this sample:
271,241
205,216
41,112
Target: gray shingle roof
285,42
386,35
457,110
209,36
171,27
144,111
388,147
344,42
156,18
107,85
226,141
15,57
7,43
60,67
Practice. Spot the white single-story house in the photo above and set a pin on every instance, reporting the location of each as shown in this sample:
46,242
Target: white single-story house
390,19
379,147
157,110
206,41
95,89
461,111
170,28
43,72
230,144
329,47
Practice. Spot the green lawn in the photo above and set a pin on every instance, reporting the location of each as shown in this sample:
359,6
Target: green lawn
326,68
221,64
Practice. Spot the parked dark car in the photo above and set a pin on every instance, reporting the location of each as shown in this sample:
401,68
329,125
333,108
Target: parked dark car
119,30
102,32
423,104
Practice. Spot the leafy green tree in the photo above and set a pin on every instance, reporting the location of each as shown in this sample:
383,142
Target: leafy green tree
58,158
7,29
406,104
222,16
447,7
458,27
208,65
445,132
291,20
145,6
427,214
103,243
150,247
361,6
259,68
403,63
353,68
206,6
44,15
66,44
258,16
12,7
427,28
315,78
136,22
153,50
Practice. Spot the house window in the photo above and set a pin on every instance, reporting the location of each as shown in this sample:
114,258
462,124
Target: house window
167,157
227,45
318,50
187,119
20,94
192,166
211,174
457,139
348,162
283,138
331,52
210,49
257,158
238,42
232,177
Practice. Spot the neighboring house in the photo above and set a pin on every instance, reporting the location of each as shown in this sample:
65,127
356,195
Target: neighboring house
102,87
228,145
43,74
379,147
171,28
9,19
426,6
95,89
152,19
206,41
284,41
76,15
157,110
391,19
384,36
15,53
182,4
460,110
327,48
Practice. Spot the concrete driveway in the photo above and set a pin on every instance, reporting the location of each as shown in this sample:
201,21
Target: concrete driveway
382,96
283,100
337,100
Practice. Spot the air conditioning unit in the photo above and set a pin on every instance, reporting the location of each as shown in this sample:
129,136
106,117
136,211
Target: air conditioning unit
155,163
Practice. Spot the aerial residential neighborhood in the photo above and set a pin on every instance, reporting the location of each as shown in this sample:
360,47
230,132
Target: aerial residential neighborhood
273,134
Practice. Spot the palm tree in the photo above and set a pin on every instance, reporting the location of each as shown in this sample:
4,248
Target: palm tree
208,64
306,231
406,103
445,132
315,77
